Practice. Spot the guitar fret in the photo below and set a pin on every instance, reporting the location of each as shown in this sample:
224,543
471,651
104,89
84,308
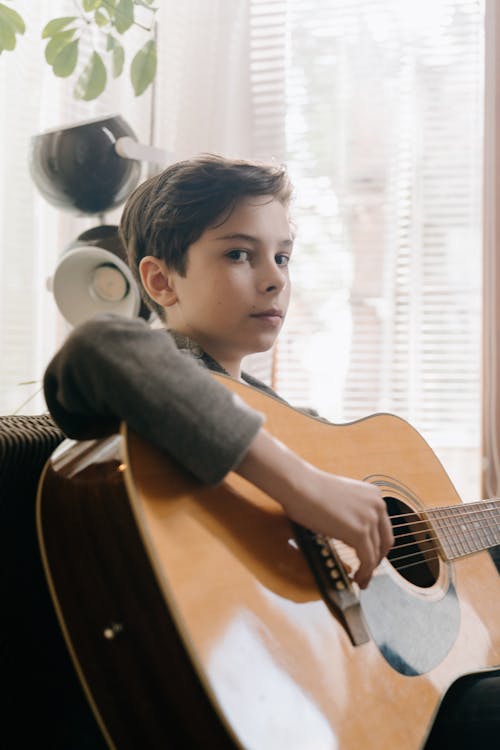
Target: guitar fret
493,525
486,530
448,540
482,528
463,529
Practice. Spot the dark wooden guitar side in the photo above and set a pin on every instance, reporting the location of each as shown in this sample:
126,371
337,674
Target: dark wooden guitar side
201,617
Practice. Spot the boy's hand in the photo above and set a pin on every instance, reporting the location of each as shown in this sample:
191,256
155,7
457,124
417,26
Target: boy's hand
346,509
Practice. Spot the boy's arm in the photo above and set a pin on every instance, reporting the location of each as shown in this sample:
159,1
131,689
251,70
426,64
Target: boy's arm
113,368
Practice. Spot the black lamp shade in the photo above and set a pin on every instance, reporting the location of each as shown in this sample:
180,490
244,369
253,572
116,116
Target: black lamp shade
78,169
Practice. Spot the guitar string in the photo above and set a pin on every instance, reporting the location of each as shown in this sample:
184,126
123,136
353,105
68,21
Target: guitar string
469,531
471,522
399,568
447,536
467,525
463,543
429,540
466,504
470,518
463,518
422,554
465,509
352,561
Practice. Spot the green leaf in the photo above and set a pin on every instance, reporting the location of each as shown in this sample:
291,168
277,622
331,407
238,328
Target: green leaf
111,43
11,24
143,68
92,81
7,36
124,15
56,44
89,5
100,18
56,25
66,60
118,60
13,18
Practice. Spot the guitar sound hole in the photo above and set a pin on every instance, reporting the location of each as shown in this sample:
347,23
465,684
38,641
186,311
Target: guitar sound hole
414,554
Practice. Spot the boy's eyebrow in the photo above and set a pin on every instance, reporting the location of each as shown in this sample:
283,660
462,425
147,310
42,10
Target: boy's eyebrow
250,238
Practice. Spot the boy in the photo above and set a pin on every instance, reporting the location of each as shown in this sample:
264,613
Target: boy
209,241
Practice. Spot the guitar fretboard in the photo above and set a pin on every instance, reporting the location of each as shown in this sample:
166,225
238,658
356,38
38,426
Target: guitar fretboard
466,528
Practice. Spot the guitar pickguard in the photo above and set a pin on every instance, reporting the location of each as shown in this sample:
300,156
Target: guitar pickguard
413,634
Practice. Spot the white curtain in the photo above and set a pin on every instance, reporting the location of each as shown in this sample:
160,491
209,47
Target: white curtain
377,107
201,102
385,142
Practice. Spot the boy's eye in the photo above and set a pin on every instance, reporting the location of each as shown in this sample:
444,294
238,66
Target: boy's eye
282,259
238,254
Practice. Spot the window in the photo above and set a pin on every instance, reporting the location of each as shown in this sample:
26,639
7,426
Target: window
377,107
384,119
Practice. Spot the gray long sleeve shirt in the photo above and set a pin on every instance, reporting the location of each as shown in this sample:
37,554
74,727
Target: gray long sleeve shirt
113,368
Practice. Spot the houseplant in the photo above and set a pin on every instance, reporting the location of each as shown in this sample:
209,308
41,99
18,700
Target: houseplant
103,22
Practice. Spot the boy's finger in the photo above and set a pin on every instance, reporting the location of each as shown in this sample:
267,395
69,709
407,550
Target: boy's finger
386,535
367,558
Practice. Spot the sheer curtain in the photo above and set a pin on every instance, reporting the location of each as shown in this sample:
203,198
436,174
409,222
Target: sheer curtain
202,102
33,233
385,141
377,107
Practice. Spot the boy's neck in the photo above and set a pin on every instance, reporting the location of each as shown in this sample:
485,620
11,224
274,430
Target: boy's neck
187,343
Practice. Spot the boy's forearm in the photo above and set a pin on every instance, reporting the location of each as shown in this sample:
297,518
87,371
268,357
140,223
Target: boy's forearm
273,468
288,478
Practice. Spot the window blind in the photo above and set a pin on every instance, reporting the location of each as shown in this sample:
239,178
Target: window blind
267,62
384,119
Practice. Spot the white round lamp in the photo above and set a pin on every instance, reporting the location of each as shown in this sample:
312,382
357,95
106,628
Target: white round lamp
91,280
92,276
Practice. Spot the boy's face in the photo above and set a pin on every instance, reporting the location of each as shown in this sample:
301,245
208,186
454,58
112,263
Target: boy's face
235,294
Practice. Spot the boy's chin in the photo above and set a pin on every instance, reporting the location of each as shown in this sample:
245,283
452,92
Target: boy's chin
263,346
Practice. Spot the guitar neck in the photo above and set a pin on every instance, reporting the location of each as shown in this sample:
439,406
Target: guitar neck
466,528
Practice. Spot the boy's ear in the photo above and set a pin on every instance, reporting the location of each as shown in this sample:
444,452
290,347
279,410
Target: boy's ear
157,280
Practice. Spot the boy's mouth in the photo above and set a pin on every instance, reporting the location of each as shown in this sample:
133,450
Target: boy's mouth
273,312
273,315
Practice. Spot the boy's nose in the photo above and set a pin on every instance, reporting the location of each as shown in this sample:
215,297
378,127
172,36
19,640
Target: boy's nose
273,279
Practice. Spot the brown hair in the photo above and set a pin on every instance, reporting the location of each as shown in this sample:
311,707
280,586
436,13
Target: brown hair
171,210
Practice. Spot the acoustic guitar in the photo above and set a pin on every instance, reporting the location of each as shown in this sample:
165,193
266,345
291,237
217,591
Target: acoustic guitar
200,617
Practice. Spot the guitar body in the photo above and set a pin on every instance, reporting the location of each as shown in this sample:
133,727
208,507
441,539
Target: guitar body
195,620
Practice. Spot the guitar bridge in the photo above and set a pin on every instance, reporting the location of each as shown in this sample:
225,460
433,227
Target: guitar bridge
333,582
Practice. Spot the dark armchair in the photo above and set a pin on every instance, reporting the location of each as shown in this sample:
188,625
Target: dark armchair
44,705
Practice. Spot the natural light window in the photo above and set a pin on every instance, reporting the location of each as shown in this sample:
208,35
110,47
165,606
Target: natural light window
384,118
377,108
